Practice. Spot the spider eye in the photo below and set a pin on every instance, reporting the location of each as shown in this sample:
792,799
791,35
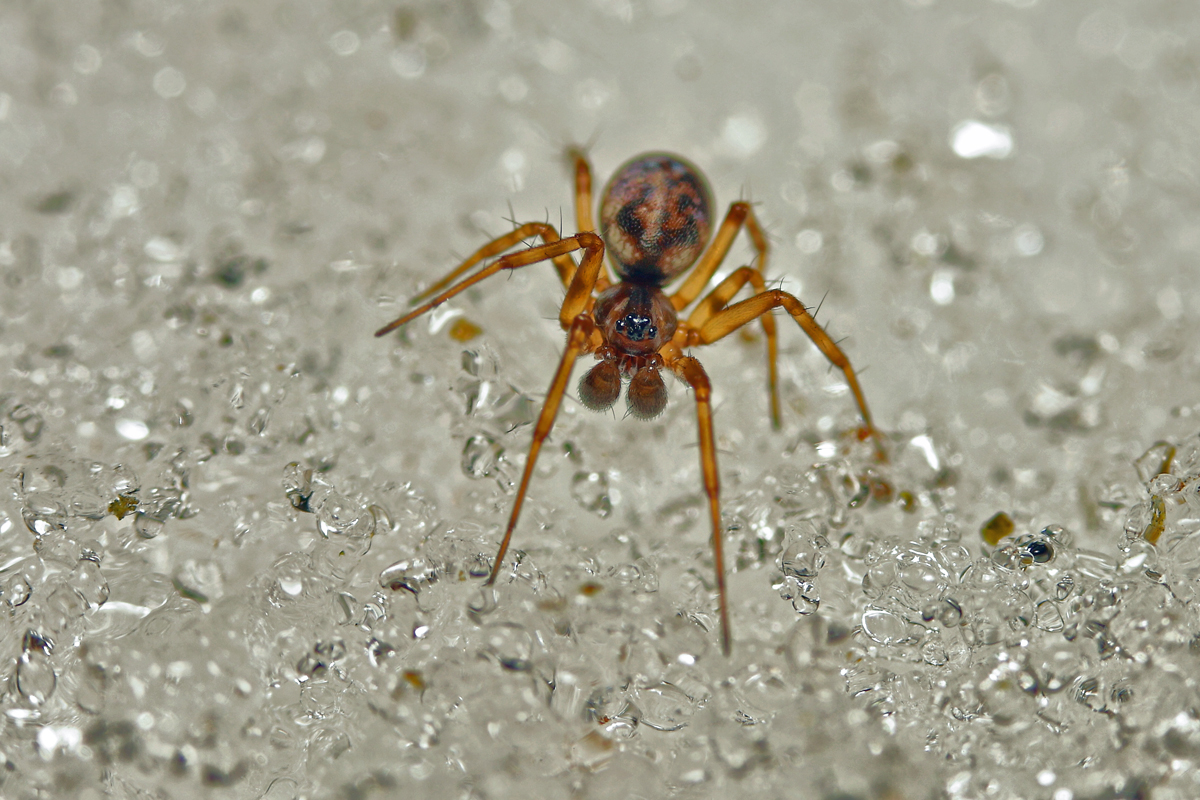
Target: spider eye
636,328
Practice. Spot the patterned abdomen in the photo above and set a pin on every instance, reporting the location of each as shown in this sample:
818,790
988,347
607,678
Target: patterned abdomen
655,218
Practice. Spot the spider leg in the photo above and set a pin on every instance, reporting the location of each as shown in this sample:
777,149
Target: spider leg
579,341
579,288
737,315
719,298
690,370
583,206
562,263
740,214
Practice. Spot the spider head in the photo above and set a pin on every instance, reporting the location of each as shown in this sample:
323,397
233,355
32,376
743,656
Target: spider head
636,327
635,319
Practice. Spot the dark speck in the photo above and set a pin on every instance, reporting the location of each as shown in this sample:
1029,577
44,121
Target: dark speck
54,203
232,272
1039,551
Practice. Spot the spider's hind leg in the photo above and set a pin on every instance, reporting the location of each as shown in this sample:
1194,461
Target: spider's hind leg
730,319
740,214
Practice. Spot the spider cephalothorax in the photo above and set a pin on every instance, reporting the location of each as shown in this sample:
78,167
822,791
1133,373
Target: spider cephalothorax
655,223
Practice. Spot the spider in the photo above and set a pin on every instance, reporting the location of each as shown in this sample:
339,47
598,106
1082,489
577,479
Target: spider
655,223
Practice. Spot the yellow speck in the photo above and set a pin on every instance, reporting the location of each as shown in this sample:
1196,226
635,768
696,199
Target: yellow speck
1158,520
464,331
996,528
122,506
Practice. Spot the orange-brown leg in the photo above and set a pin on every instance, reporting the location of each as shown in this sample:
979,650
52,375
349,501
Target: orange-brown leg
583,207
579,289
737,315
740,214
562,263
689,369
579,341
719,298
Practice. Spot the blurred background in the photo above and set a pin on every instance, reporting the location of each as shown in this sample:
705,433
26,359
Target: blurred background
243,540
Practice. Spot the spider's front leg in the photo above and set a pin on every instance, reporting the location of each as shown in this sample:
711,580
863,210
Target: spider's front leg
690,370
563,264
582,338
578,291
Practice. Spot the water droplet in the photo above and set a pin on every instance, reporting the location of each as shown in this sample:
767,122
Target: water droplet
920,576
257,424
1047,616
326,744
309,667
510,645
974,139
43,513
856,545
408,61
1157,460
590,490
933,652
297,485
803,595
147,526
743,134
1039,551
132,429
1028,240
36,679
89,583
409,575
481,457
665,707
484,603
337,516
17,590
293,576
884,627
804,557
169,83
878,578
949,613
344,42
29,422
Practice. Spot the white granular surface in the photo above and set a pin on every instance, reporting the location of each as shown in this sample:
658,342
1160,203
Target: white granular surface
243,542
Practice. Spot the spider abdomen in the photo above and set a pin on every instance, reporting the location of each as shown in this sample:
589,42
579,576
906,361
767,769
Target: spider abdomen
655,218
